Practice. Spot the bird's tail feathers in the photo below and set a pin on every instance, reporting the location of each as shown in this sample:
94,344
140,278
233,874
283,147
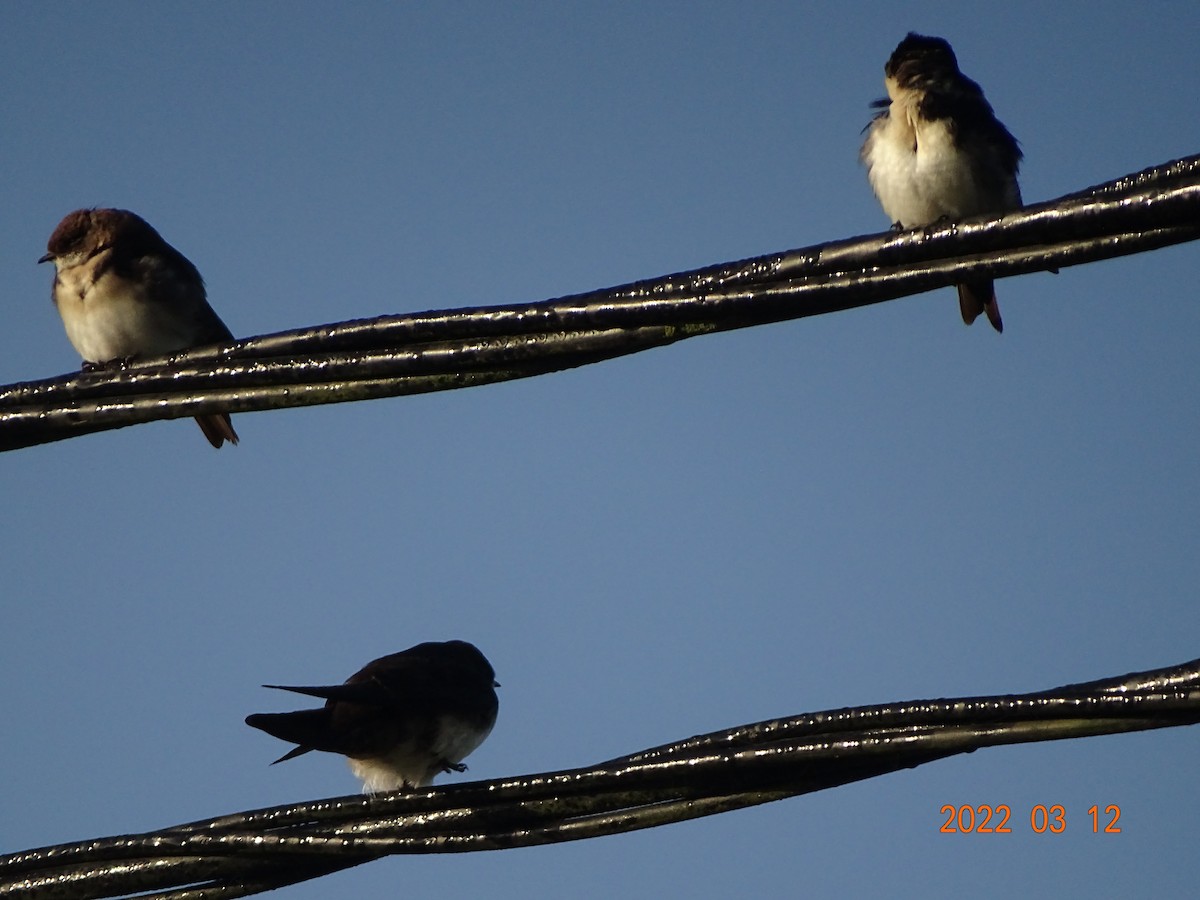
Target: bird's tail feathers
306,727
292,754
217,428
975,297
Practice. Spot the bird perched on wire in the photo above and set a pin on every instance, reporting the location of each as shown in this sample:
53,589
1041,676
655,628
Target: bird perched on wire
937,151
124,292
401,719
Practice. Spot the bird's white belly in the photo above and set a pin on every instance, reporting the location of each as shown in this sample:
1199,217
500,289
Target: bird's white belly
919,185
106,324
391,773
413,766
456,740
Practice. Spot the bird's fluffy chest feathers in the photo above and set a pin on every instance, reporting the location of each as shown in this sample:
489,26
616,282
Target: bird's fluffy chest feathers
917,171
412,765
109,317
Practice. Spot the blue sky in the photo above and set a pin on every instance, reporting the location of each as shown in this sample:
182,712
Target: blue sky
870,506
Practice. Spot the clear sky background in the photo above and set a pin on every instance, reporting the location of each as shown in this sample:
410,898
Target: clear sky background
864,507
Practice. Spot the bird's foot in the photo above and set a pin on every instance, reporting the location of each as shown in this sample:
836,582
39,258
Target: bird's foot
120,362
937,224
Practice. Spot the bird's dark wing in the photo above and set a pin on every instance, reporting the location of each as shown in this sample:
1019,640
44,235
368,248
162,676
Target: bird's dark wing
416,682
975,127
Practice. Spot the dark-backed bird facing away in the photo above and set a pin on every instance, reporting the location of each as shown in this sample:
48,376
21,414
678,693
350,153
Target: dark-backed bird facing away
401,719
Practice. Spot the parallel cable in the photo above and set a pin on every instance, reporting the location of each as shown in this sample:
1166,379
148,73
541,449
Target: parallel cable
449,349
246,853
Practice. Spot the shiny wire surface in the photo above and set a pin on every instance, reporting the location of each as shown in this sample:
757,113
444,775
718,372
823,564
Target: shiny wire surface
250,852
442,350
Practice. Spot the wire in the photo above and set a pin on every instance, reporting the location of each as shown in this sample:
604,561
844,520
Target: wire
246,853
250,852
449,349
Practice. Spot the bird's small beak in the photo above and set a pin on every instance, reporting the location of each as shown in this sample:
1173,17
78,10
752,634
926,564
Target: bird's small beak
495,684
47,258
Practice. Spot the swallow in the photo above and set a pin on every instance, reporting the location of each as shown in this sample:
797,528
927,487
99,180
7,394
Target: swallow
124,292
401,719
937,151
